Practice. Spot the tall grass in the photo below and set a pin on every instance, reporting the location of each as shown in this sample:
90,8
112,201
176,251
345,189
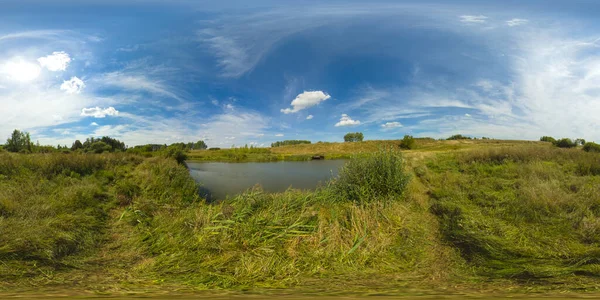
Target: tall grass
523,213
371,177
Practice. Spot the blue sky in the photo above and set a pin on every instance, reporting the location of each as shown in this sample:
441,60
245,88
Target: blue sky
254,72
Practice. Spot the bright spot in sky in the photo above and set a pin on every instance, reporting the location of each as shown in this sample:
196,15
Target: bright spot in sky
21,70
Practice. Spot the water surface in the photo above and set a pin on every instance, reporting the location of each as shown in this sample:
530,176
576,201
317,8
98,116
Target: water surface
219,180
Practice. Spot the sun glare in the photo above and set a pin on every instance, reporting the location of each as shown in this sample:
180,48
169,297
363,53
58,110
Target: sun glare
21,70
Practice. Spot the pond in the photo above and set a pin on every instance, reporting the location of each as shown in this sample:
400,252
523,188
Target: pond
219,180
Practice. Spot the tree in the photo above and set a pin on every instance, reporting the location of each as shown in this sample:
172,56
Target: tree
76,145
353,137
579,142
565,143
548,139
18,142
100,147
408,142
458,137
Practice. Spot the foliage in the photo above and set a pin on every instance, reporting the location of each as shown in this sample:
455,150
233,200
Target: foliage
591,147
458,137
548,139
214,148
289,142
100,145
176,152
580,142
565,143
408,142
377,176
19,141
76,145
354,137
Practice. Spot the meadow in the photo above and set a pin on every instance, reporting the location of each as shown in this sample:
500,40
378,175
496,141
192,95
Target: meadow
448,217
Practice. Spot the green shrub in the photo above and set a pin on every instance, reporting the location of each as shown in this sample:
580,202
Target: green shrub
214,148
591,147
408,142
176,153
548,139
565,143
372,177
289,142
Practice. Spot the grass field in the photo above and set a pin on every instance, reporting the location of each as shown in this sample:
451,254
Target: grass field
449,217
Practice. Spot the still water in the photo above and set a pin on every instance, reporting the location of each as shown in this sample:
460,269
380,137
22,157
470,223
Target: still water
219,180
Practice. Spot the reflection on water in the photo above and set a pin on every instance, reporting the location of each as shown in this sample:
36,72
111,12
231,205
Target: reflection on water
221,179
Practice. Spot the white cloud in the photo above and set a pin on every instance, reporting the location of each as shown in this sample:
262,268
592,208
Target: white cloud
389,125
517,22
467,115
473,19
309,117
306,100
279,135
345,120
57,61
98,112
73,85
20,70
93,124
229,106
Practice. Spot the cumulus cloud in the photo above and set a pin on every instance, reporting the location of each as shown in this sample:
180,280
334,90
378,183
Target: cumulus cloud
57,61
20,70
98,112
306,100
473,19
517,22
309,117
389,125
345,120
73,85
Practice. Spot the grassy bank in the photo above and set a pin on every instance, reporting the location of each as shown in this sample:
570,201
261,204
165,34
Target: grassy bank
496,216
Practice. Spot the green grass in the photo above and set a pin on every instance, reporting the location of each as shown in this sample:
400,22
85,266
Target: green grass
489,215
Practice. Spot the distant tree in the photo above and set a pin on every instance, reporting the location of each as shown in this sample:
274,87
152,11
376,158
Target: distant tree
565,143
76,145
200,145
289,142
579,142
458,137
18,142
408,142
548,139
354,137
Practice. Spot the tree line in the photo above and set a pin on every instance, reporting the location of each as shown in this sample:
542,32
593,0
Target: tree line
20,141
289,142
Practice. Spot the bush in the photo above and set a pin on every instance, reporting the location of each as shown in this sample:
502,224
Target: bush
548,139
372,177
214,149
591,147
408,142
565,143
177,153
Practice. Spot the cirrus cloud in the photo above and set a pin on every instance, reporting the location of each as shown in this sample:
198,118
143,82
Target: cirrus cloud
389,125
